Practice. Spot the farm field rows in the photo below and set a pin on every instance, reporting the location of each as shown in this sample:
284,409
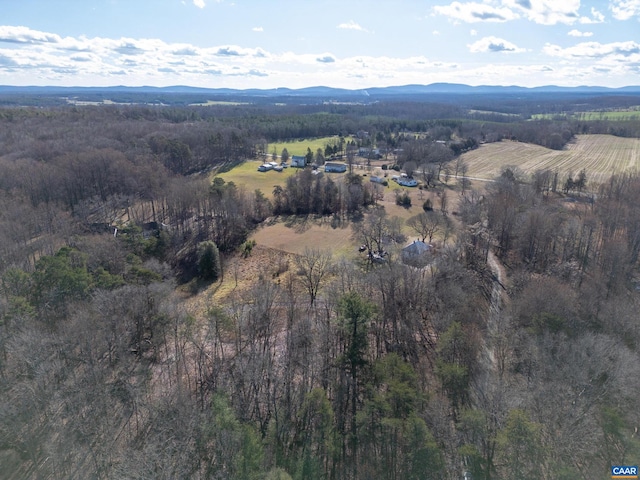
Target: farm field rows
618,115
628,114
599,155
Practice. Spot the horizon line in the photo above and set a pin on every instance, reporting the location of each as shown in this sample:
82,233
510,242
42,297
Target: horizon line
415,85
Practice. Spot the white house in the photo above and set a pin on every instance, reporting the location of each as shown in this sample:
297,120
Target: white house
366,151
298,161
337,167
404,180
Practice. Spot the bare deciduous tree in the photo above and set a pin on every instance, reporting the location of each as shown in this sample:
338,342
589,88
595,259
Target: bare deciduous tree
314,266
425,224
377,230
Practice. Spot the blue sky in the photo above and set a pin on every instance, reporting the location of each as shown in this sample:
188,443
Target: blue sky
300,43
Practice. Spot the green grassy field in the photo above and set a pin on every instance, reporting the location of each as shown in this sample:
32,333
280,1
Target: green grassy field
632,113
299,147
246,176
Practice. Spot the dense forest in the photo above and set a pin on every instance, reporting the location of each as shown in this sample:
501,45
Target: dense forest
512,354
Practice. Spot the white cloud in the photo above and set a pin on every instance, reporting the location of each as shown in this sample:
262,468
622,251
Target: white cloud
184,50
547,12
34,57
82,57
21,34
543,12
199,3
46,56
473,12
351,25
596,17
569,75
625,9
435,33
473,33
495,45
326,59
578,33
618,51
258,29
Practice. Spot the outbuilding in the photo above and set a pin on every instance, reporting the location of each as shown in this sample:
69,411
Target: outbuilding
335,167
415,250
407,182
298,161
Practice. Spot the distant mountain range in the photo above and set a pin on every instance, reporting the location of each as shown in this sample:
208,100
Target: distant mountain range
405,90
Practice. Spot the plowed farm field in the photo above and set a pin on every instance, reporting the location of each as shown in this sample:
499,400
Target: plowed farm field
600,156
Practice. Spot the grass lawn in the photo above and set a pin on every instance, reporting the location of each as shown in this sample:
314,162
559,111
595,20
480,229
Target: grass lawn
299,147
246,176
294,234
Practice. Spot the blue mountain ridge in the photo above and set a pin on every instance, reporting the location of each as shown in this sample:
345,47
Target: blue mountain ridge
321,91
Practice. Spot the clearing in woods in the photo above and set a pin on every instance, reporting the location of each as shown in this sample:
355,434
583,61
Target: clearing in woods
294,234
246,176
279,241
600,156
299,147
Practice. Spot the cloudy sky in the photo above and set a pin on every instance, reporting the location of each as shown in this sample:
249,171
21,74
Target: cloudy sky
337,43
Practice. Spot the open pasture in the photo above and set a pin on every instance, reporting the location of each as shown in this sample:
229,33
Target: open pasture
246,176
294,234
600,156
626,114
299,147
